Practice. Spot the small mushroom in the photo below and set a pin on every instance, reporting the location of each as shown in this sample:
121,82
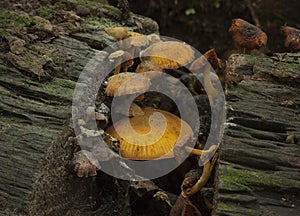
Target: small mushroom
131,83
120,56
188,187
200,65
136,42
119,33
292,38
153,38
246,35
165,55
168,54
149,66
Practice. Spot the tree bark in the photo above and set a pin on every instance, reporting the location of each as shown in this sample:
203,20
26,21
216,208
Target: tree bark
259,167
39,69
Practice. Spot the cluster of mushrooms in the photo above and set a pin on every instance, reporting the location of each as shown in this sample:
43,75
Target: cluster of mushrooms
156,55
249,37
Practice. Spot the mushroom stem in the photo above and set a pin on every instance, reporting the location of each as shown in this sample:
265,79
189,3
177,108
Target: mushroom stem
132,50
125,68
118,65
207,169
135,49
212,93
120,42
201,152
141,97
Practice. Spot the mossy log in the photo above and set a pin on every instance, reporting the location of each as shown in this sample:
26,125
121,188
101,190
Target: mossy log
40,62
259,165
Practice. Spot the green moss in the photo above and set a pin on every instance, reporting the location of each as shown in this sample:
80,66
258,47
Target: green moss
46,12
226,207
244,89
60,87
234,209
268,62
245,179
13,23
98,23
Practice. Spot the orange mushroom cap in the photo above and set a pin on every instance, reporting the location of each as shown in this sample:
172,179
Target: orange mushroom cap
246,35
152,145
168,54
292,38
211,57
118,33
131,83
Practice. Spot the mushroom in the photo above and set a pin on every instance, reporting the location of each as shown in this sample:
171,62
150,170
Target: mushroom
292,38
188,189
200,65
165,55
119,33
153,38
160,142
120,56
168,54
136,42
246,35
147,66
131,83
153,143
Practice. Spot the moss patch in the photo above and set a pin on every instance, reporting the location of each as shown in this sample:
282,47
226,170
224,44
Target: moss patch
98,24
266,62
233,178
234,209
60,87
13,23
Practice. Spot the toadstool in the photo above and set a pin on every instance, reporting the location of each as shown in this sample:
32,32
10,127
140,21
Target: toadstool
153,144
125,84
119,33
136,42
168,54
165,55
201,66
188,189
131,83
292,38
121,56
246,35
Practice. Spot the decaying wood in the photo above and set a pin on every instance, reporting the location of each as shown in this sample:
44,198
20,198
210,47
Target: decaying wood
259,171
36,89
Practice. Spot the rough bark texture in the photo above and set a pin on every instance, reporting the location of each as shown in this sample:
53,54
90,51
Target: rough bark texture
39,65
259,167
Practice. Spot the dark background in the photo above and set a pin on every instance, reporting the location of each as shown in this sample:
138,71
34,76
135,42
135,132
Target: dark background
208,26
